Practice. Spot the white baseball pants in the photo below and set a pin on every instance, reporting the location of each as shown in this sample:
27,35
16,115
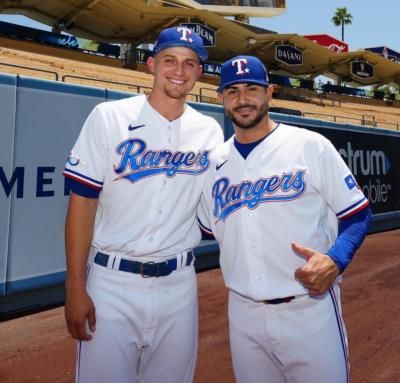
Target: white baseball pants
303,341
146,328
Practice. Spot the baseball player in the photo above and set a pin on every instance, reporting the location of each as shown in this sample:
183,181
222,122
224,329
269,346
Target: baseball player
273,199
136,174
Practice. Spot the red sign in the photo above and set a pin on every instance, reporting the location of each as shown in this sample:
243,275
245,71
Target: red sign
329,42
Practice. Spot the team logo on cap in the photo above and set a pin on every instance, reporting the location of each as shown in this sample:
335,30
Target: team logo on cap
185,34
241,66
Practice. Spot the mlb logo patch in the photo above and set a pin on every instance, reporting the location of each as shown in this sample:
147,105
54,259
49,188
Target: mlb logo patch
73,159
350,182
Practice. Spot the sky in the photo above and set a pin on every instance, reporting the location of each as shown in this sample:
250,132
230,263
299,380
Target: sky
372,25
375,23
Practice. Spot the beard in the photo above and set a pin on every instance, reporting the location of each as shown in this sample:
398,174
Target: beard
246,123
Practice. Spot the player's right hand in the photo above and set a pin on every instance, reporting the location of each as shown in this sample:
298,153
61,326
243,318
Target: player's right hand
80,312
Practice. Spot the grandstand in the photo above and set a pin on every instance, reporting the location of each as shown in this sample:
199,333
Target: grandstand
340,108
36,55
36,60
107,73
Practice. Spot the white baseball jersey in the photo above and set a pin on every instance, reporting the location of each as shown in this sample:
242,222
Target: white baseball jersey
150,172
284,192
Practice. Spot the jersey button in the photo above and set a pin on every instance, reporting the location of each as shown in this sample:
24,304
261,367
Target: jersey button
258,277
151,239
253,245
160,212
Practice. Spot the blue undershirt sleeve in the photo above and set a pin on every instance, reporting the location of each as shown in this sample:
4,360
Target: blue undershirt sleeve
352,232
81,189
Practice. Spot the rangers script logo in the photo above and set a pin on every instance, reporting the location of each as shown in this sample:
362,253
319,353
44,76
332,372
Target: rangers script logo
229,198
137,162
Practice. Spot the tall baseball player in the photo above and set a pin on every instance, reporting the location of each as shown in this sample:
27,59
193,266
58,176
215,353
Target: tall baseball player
273,199
136,173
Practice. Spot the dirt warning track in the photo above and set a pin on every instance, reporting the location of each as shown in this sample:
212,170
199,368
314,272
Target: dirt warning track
37,348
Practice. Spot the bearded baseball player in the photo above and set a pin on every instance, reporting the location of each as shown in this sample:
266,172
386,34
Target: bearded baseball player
289,216
136,174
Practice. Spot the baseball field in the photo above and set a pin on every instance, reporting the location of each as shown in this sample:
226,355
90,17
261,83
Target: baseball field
38,349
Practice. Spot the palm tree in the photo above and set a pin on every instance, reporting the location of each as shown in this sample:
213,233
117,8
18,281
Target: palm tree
342,17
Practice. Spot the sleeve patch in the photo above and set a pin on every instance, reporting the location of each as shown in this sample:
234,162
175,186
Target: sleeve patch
350,182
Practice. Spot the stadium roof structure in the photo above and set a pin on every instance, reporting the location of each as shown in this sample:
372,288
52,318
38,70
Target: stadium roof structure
140,21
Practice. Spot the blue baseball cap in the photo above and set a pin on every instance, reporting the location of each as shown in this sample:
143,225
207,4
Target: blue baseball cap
243,69
180,37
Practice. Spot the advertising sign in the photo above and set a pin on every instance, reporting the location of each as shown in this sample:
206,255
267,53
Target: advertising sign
212,68
387,53
66,41
329,42
362,69
206,33
288,54
375,163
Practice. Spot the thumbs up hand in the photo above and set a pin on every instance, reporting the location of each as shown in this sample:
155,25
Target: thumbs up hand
319,273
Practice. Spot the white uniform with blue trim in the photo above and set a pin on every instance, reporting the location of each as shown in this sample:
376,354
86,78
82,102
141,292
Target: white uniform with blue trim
289,189
150,172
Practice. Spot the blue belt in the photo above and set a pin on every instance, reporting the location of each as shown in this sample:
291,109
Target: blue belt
145,269
278,301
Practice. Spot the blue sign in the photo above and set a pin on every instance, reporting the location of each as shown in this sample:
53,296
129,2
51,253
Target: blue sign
288,54
207,34
67,41
212,68
387,53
